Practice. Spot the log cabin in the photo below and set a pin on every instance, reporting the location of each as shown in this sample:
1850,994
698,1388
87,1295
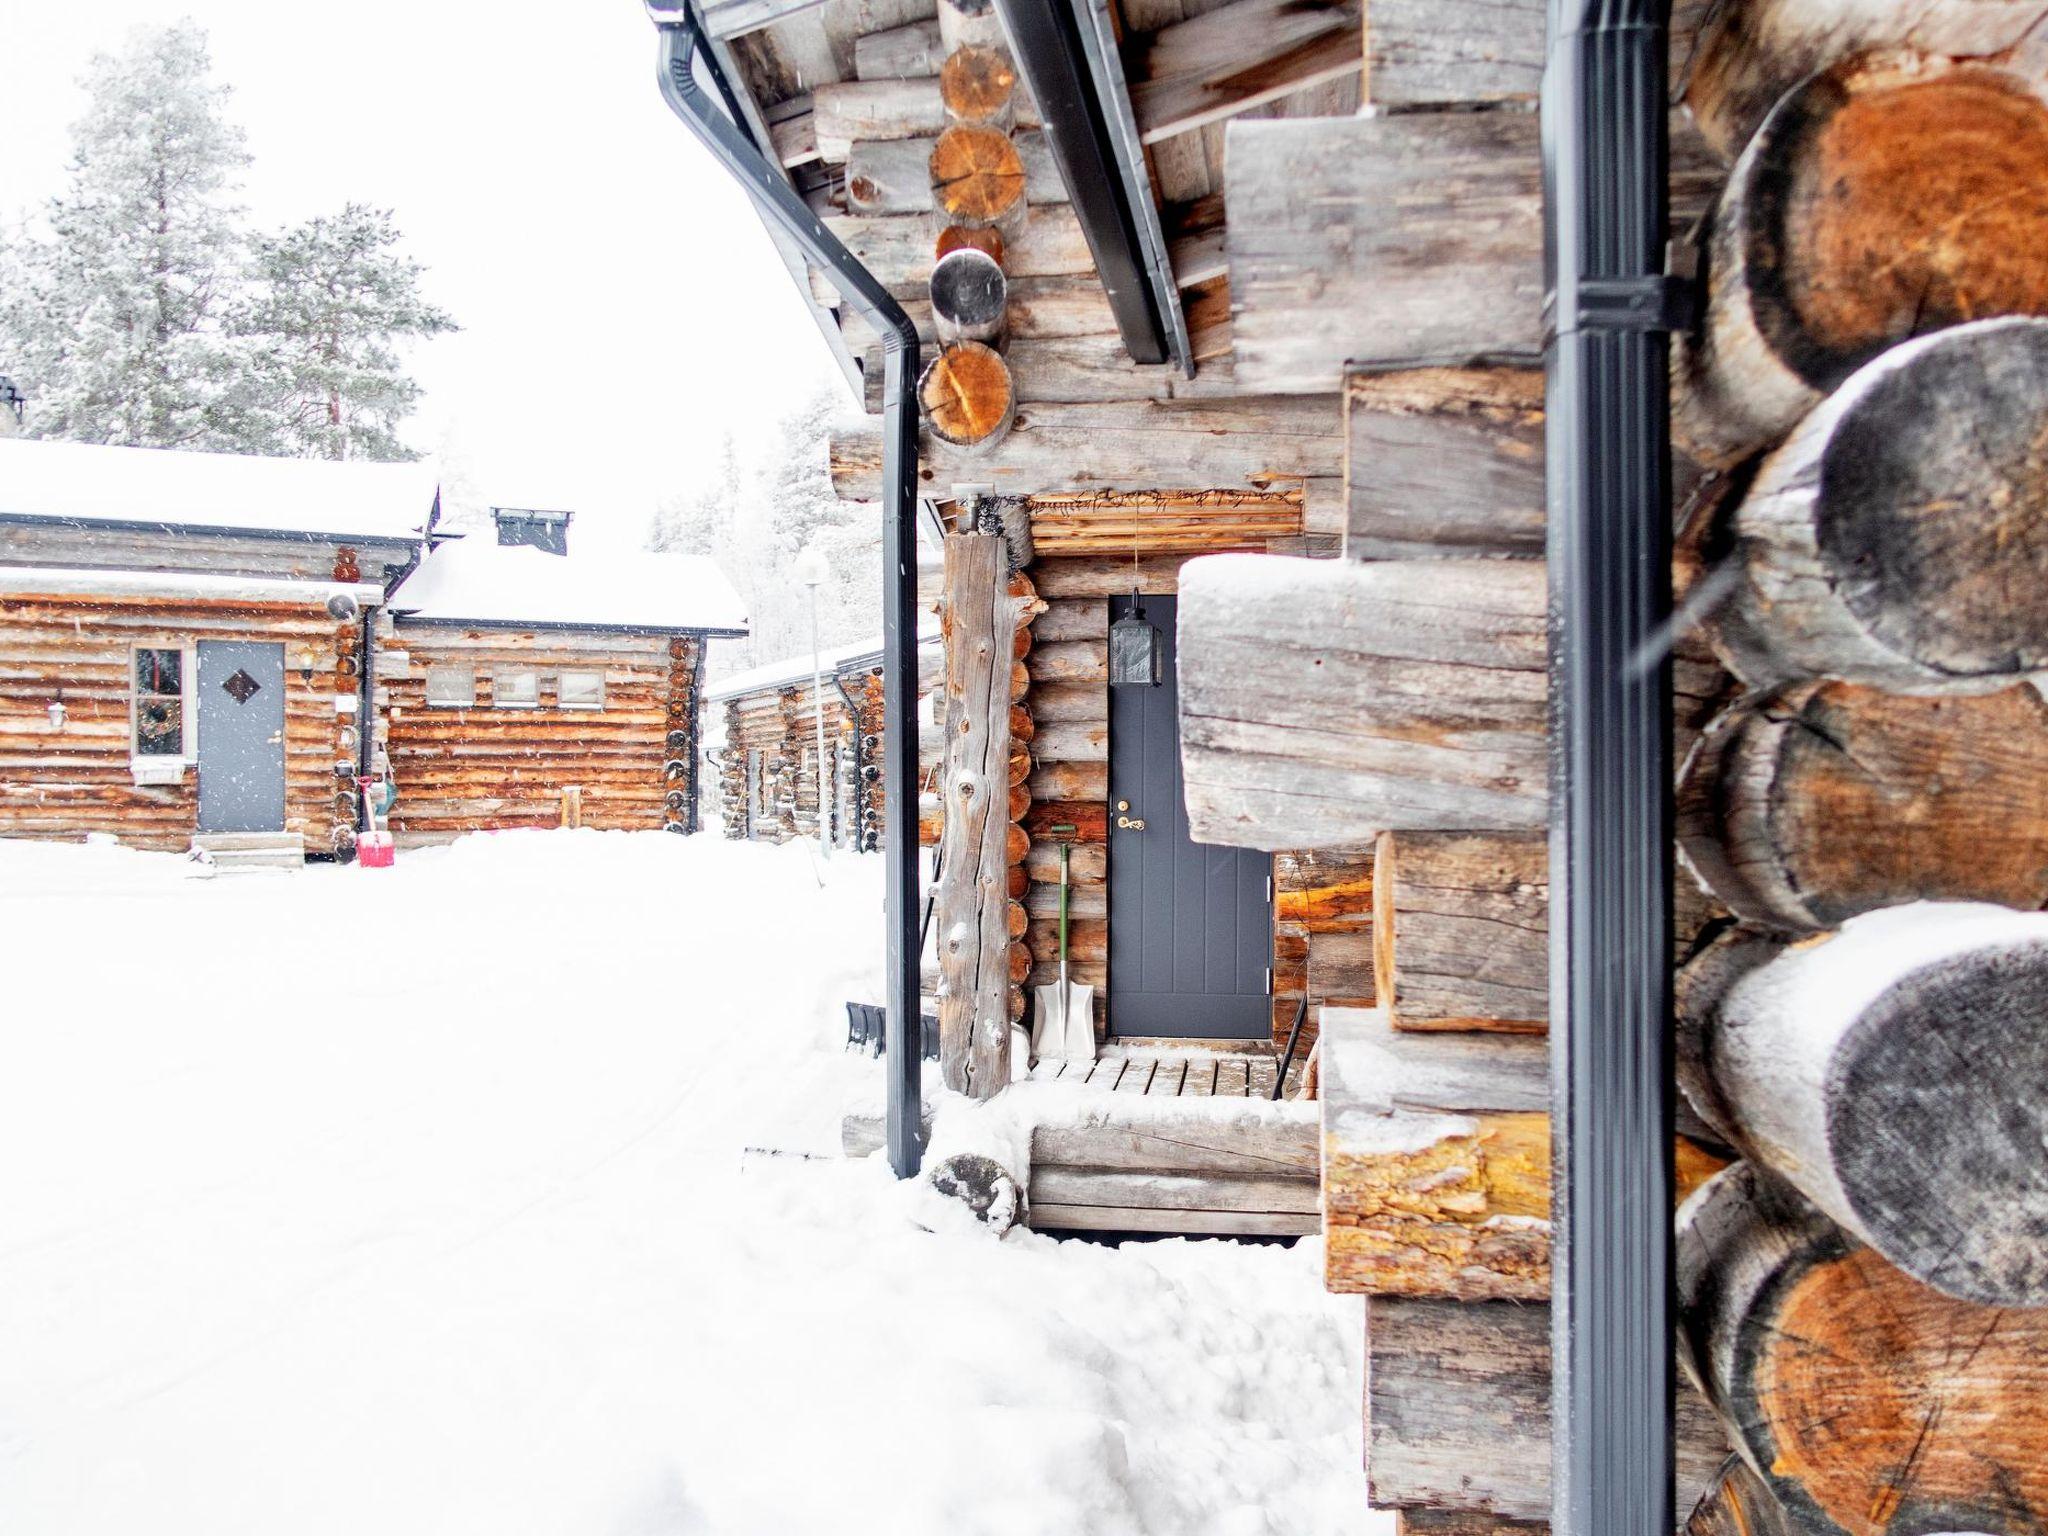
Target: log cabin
521,686
764,768
1215,354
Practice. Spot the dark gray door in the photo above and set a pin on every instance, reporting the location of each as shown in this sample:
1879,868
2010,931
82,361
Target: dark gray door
241,736
1190,926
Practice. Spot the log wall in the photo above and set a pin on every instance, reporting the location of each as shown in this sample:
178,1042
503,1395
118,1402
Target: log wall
779,724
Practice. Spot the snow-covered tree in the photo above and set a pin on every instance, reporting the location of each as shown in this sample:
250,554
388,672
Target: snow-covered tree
332,300
113,322
704,521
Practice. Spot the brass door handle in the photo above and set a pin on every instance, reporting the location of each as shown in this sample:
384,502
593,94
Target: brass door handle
1134,823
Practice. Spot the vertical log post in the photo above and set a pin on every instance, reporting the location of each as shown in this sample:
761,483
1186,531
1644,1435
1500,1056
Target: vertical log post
972,905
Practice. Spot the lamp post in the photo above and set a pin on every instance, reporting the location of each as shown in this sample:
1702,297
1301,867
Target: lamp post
810,568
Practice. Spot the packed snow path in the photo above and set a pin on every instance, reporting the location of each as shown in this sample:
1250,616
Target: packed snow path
413,1201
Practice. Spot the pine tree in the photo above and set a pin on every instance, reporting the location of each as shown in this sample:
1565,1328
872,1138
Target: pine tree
114,323
703,522
333,298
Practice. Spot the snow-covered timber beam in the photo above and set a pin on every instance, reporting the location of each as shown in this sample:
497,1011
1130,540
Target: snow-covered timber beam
1324,702
1241,443
1815,263
1458,1410
1441,460
1892,1071
1899,537
1867,1402
1807,805
1751,52
1213,66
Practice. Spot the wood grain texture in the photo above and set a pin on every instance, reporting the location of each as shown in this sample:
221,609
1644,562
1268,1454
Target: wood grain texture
1222,62
1391,240
1462,930
1802,807
1324,702
1864,1402
895,175
1899,538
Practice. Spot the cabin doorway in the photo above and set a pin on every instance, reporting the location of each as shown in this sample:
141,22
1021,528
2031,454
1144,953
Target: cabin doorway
241,736
1190,926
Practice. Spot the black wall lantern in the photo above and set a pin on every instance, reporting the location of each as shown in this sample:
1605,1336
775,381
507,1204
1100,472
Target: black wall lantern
1137,651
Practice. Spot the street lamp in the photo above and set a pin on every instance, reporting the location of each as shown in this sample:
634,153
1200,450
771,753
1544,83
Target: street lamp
811,569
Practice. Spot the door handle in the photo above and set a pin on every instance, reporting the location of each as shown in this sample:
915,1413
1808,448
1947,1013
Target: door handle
1129,823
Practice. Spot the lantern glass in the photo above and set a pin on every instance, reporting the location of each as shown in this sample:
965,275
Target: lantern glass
1137,652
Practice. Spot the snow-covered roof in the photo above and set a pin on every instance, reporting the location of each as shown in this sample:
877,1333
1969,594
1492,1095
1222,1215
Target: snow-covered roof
474,581
213,492
857,656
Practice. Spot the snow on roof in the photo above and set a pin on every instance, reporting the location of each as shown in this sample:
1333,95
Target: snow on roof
475,581
163,487
853,657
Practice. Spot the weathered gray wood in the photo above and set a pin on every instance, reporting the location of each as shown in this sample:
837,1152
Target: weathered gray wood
1751,52
849,110
1038,307
970,910
1738,1503
1442,461
1234,1191
1900,536
1078,370
1324,702
1228,60
1816,264
970,24
1807,805
1892,1072
970,302
1274,1149
1054,1216
1862,1401
1246,442
1461,930
901,53
1458,1409
899,248
1379,1070
1430,53
1389,240
732,18
894,175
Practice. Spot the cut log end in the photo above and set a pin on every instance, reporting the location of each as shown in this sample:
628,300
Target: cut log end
970,297
966,395
978,85
955,238
977,176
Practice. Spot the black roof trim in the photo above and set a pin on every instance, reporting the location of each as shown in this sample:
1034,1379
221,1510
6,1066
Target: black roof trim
207,530
402,616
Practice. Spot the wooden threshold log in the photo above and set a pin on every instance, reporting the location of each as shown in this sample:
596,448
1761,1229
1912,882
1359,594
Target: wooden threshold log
1458,1410
1864,1402
1324,702
1899,538
1818,261
971,909
1461,930
966,397
1444,461
1802,807
1892,1071
1751,52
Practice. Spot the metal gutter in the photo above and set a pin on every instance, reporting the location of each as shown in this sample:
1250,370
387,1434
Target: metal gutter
402,616
1607,439
1066,62
207,530
682,50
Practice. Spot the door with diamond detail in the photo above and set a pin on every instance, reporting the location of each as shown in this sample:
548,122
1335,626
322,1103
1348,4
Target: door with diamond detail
1190,925
241,736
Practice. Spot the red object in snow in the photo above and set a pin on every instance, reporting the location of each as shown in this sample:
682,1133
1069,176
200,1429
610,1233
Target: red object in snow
375,850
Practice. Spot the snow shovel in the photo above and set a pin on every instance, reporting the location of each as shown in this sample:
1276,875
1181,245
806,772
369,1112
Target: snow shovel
1064,1028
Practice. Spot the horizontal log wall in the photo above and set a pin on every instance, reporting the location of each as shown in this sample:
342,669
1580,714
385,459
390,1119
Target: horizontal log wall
154,549
488,767
66,784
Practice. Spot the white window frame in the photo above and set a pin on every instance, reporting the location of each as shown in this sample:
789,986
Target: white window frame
427,685
146,765
595,676
498,699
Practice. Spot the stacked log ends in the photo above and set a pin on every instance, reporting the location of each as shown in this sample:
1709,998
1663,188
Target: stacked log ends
1899,537
1803,807
1819,257
1863,1402
966,395
953,238
979,85
1892,1071
1461,930
977,178
970,296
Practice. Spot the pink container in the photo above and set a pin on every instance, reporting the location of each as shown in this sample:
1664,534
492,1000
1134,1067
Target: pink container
375,850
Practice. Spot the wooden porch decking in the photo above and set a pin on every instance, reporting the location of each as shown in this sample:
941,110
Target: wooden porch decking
1177,1072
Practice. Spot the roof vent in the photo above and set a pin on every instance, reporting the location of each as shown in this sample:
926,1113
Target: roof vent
531,525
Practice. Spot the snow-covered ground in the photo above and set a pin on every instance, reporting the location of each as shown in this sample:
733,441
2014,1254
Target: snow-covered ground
413,1201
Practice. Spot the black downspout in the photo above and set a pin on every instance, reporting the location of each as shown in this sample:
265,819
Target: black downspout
693,822
366,717
1605,154
682,47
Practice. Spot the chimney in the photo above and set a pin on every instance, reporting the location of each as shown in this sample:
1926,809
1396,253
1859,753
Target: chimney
10,408
531,525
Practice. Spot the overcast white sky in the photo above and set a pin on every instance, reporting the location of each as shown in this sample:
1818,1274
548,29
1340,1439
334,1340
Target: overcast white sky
622,307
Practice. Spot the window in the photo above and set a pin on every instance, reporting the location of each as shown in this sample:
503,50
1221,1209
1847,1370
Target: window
580,690
159,702
450,687
516,690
